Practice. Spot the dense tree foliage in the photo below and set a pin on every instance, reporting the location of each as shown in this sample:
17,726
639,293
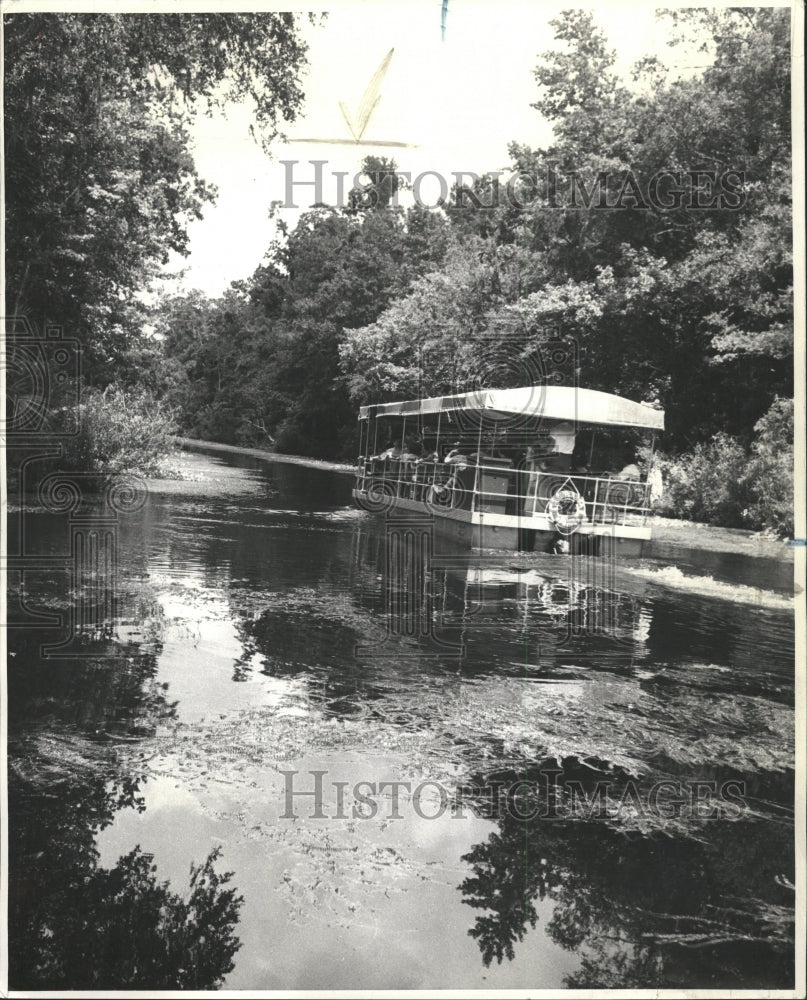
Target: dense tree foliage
261,364
684,303
653,236
100,181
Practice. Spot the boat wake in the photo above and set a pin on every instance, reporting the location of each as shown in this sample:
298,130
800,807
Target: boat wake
672,578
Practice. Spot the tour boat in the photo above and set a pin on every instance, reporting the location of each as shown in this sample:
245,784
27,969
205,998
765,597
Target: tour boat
544,468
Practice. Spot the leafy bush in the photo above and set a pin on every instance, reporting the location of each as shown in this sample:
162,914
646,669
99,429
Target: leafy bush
121,431
720,482
702,485
768,478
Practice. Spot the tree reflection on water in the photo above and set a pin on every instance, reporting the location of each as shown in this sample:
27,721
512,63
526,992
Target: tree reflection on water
73,765
623,681
639,910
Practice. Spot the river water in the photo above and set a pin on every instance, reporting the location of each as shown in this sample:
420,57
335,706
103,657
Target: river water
572,777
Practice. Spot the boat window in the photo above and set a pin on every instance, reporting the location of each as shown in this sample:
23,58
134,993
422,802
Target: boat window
615,451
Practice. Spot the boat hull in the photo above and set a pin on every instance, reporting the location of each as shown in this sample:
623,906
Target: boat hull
483,530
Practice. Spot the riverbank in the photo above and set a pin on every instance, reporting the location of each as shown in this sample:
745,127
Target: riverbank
213,447
669,535
695,535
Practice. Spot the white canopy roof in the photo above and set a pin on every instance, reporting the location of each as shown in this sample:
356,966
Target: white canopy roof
553,402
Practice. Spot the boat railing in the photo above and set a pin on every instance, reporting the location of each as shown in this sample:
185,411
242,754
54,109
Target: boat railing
504,489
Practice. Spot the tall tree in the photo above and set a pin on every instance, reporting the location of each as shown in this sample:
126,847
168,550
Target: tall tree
682,290
100,181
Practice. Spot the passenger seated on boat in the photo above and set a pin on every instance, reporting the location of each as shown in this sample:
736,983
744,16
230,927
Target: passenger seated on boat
563,436
425,471
412,449
456,457
491,454
554,454
404,462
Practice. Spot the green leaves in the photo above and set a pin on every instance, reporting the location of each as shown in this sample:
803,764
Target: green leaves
720,481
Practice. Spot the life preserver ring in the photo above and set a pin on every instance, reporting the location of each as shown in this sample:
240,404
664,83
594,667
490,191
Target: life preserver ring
566,509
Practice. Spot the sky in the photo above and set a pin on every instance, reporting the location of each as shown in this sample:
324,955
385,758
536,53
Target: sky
458,101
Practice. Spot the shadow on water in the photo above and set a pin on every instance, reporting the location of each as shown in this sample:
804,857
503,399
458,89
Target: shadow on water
75,730
260,621
640,911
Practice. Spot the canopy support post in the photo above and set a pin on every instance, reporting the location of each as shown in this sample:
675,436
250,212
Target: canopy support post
475,498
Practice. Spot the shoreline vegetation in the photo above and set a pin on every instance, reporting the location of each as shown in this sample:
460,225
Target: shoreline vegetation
666,530
556,269
684,300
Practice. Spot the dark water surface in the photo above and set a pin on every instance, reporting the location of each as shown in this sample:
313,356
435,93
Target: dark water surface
253,637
